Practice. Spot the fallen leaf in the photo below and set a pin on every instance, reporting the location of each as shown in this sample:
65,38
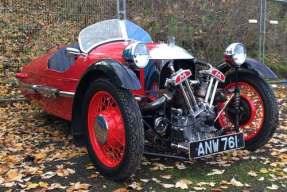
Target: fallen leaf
216,172
166,176
180,166
199,188
159,166
40,156
236,183
156,180
135,185
183,184
94,175
56,186
13,175
144,180
62,172
31,186
48,175
261,179
78,186
252,173
216,190
167,186
264,170
273,187
43,184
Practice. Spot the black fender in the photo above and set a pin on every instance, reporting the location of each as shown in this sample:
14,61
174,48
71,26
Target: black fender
118,74
254,66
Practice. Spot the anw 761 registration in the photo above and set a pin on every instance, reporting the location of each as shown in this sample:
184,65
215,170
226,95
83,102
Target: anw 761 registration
216,145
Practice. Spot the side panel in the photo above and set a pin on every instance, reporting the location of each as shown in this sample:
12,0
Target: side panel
39,74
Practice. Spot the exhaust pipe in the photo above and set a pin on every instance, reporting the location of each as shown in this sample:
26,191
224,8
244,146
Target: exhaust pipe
159,102
156,104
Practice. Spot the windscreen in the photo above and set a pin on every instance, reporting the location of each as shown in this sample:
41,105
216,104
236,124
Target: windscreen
111,30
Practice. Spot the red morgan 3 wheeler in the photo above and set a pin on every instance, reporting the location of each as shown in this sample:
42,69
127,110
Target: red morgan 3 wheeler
130,96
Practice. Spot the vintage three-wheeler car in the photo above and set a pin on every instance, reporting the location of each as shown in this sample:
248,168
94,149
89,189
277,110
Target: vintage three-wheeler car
130,96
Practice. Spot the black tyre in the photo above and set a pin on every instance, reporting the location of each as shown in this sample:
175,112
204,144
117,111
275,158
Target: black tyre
258,109
113,129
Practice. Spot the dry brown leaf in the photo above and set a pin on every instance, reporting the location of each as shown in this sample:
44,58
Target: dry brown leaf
94,175
264,170
252,173
180,166
62,172
144,180
273,187
159,166
13,175
199,188
56,186
167,186
48,175
166,176
216,190
78,186
40,156
156,180
236,183
136,186
216,172
183,184
43,184
261,179
31,186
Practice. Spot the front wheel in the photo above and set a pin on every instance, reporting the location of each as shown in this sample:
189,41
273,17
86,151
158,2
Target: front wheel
258,109
114,129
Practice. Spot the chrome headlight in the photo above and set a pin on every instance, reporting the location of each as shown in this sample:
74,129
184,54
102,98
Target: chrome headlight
235,54
138,54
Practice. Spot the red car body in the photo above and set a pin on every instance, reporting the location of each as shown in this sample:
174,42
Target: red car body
38,73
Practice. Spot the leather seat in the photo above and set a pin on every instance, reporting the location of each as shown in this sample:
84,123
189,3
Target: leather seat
61,61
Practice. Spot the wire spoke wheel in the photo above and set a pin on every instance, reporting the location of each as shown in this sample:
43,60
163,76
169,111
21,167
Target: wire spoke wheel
258,110
113,128
106,129
251,112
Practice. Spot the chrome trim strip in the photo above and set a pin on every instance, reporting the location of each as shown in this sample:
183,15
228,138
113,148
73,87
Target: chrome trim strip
66,94
213,93
209,89
47,91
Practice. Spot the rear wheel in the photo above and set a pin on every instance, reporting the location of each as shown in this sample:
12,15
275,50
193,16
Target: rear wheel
258,109
114,129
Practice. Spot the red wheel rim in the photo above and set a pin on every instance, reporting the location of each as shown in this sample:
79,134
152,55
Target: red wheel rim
106,129
254,124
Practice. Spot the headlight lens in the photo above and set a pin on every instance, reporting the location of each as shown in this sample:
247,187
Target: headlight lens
235,54
138,54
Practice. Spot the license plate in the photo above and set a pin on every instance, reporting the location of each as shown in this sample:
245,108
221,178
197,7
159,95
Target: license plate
216,145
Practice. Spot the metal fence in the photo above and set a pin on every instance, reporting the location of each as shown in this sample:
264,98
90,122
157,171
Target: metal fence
29,28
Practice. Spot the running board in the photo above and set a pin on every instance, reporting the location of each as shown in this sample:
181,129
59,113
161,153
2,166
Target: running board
47,91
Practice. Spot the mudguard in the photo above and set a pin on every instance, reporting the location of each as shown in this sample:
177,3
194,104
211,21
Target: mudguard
255,66
119,74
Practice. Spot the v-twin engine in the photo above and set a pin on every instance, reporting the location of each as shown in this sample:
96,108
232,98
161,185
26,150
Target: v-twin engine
187,128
